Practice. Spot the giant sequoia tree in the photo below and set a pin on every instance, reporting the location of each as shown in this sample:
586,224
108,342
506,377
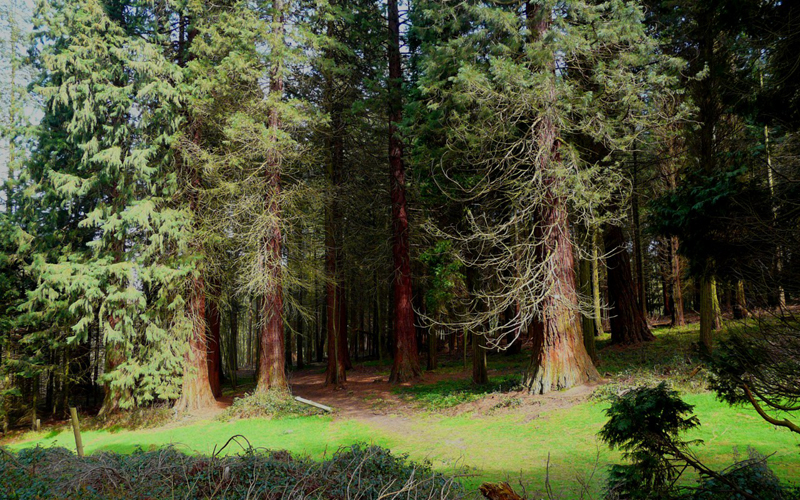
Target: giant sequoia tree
516,90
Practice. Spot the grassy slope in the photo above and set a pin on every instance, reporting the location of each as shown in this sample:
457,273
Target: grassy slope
491,448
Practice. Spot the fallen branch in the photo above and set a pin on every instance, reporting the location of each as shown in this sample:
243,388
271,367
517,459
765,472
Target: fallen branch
314,404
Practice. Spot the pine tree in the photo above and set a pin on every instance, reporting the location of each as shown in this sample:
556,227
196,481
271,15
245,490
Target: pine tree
111,251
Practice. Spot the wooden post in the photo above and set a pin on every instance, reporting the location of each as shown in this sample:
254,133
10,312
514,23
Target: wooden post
35,402
76,428
38,424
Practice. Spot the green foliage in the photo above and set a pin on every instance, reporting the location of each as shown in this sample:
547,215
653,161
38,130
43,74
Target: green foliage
519,113
445,274
761,361
751,475
449,393
646,425
108,244
271,404
697,212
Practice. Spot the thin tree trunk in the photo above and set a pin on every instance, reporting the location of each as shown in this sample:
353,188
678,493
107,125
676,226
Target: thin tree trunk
598,311
335,374
480,375
781,293
301,349
382,330
740,304
706,315
717,311
637,243
344,344
665,265
214,351
406,361
677,285
233,351
587,322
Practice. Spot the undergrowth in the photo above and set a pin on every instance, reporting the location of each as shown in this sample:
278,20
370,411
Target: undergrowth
272,404
449,393
137,418
356,472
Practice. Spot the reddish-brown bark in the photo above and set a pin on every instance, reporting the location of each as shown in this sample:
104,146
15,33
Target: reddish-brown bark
196,391
406,358
559,359
213,351
628,324
336,324
272,362
335,374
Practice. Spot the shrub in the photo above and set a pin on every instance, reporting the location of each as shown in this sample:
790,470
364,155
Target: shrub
646,424
273,404
357,472
751,475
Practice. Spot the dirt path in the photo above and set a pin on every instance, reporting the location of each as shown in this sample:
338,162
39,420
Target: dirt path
368,396
366,393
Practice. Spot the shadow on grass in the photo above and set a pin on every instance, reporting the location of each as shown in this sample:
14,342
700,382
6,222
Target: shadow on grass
449,393
53,433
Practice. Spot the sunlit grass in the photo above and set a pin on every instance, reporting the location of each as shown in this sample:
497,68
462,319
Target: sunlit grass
513,445
490,447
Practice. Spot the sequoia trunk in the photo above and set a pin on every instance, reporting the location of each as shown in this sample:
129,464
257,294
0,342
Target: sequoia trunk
406,358
196,390
559,359
628,324
272,367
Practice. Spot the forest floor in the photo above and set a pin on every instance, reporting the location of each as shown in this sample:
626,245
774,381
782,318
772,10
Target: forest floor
495,432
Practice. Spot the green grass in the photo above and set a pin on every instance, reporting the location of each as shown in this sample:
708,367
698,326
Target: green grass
509,446
449,393
312,436
491,448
